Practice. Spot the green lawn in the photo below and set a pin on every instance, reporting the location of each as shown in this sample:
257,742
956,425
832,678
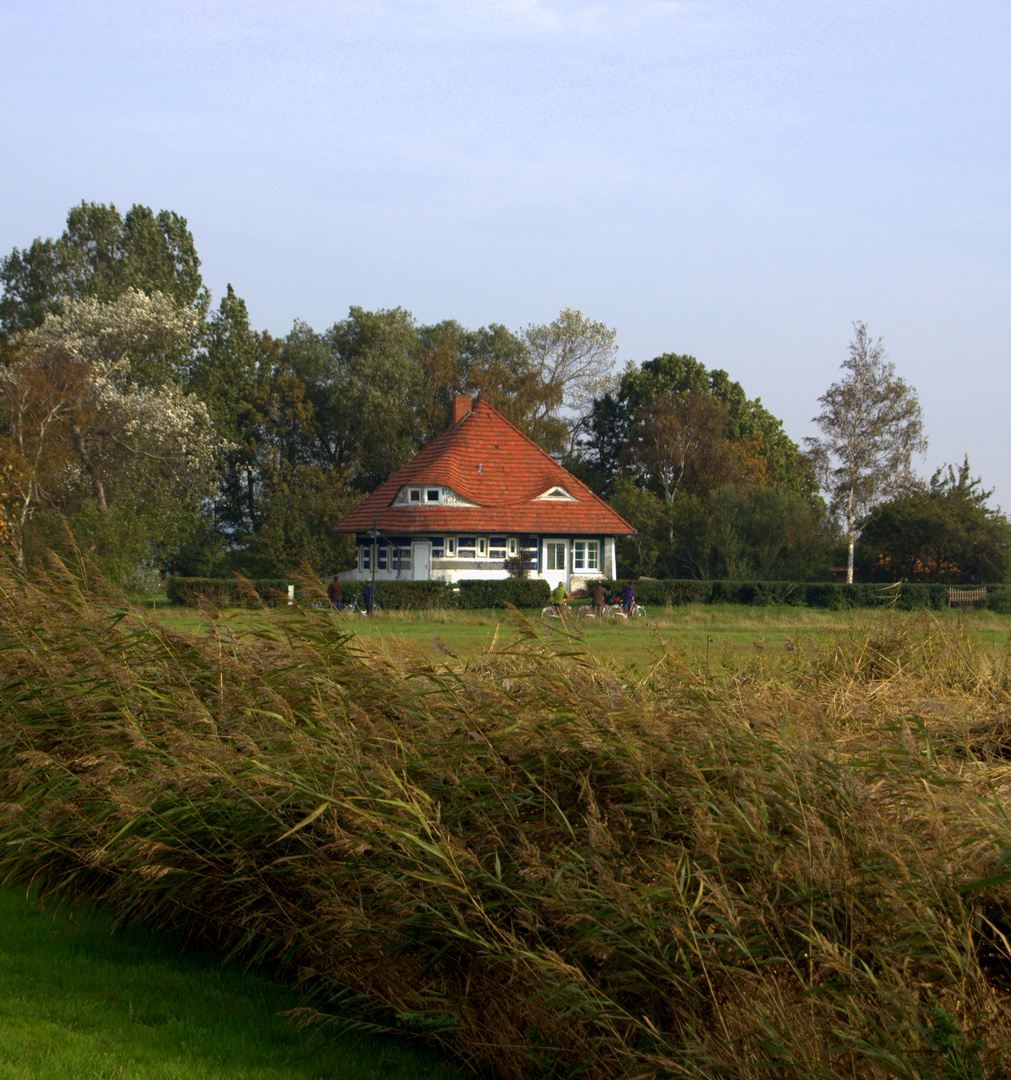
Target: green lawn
79,1001
713,633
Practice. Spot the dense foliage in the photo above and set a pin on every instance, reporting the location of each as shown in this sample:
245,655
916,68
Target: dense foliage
161,437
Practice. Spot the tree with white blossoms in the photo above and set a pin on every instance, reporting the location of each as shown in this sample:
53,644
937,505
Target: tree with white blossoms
871,426
89,417
575,358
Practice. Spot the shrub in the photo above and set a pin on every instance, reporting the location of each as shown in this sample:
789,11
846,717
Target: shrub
499,592
227,592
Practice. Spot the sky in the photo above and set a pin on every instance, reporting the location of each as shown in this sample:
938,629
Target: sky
740,180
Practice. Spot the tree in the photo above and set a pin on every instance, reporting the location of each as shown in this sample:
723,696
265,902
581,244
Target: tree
494,364
678,443
944,533
747,423
85,422
574,359
871,426
99,256
770,534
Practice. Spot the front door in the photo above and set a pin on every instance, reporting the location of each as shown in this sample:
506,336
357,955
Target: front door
421,561
555,563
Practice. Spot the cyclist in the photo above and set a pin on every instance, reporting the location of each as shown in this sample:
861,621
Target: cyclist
560,597
628,598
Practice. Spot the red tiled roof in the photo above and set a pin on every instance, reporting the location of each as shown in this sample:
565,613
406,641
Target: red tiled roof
490,463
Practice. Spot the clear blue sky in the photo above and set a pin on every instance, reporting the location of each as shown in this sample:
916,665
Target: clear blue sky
736,180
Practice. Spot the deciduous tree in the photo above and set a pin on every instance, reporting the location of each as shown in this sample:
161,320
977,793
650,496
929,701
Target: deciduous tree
870,427
83,420
944,533
574,359
99,256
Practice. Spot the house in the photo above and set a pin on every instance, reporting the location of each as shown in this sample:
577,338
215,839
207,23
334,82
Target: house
478,498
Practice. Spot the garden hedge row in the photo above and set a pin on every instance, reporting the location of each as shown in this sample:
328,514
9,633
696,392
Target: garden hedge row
904,596
531,593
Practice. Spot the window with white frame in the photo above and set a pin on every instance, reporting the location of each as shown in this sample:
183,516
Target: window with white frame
496,547
466,547
586,555
554,555
364,561
414,495
433,495
482,547
450,546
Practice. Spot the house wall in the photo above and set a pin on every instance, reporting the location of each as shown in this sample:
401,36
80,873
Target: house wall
491,555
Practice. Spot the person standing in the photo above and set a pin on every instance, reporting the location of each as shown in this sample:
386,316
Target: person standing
335,591
598,594
367,594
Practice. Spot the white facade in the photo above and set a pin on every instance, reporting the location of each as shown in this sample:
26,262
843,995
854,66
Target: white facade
574,562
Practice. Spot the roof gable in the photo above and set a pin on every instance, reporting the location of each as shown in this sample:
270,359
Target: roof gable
505,477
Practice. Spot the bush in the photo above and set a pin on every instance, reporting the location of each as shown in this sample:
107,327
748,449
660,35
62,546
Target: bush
227,592
407,595
497,593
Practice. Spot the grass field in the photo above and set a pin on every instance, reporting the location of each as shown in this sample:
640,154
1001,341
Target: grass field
727,635
708,844
79,1001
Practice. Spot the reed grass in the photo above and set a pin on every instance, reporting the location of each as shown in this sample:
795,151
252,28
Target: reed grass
542,863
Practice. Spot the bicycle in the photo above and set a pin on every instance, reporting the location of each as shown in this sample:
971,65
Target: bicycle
357,607
553,611
616,610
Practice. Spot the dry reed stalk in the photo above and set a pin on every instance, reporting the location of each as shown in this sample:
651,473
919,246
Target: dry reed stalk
529,857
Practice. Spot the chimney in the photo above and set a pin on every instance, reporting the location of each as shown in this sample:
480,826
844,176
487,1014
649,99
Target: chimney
461,406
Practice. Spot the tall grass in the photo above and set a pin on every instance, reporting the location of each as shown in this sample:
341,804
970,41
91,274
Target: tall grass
542,863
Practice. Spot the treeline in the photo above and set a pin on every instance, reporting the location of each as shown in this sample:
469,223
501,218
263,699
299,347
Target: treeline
158,433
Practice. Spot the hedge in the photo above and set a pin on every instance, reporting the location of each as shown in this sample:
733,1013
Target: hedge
226,592
903,596
534,593
392,595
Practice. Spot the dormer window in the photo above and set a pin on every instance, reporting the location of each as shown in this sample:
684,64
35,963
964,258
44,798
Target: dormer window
433,495
557,492
414,495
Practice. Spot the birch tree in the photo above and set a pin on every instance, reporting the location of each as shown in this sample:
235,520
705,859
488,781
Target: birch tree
870,426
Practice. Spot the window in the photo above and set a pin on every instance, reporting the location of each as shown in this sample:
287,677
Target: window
381,557
414,495
482,547
586,555
438,547
497,547
363,557
450,546
466,547
433,495
554,554
512,547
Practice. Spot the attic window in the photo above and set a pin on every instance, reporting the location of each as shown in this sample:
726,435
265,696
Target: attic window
414,495
556,493
433,495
